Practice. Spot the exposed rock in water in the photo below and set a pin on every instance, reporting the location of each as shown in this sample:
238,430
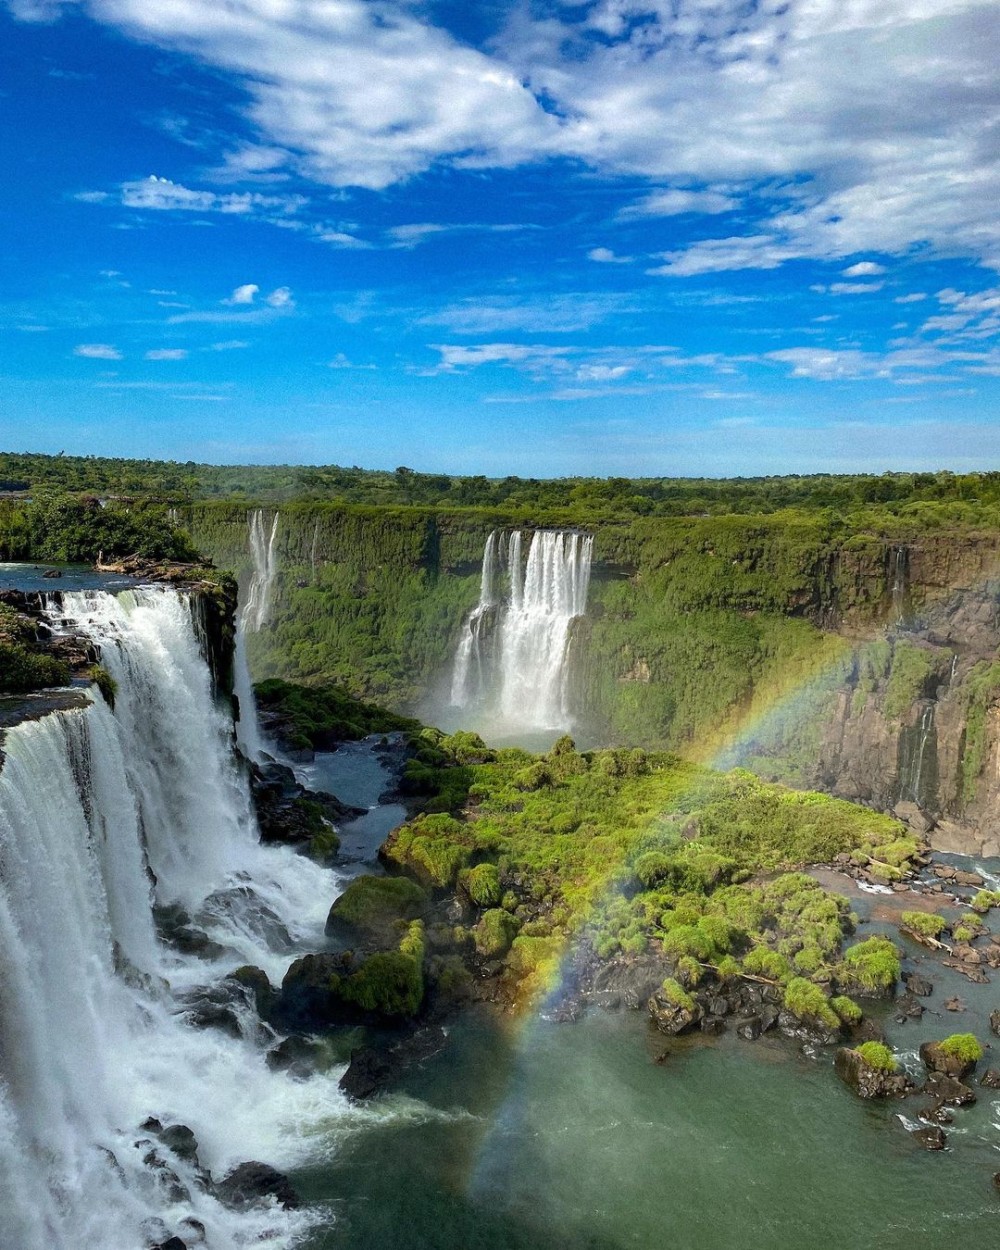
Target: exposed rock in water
948,1089
252,1182
990,1078
297,1055
937,1060
930,1137
368,1072
672,1017
868,1081
995,1022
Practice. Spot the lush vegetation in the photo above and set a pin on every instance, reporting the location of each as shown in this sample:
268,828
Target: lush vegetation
629,852
958,494
965,1047
319,716
67,529
878,1056
24,665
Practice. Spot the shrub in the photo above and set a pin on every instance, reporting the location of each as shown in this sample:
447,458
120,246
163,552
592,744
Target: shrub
984,900
763,962
495,932
847,1009
675,994
727,969
872,966
375,904
807,1001
390,983
922,924
689,970
877,1056
965,1047
483,885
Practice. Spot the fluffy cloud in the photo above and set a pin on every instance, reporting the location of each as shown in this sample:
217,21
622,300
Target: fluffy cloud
97,351
845,127
243,294
166,353
161,195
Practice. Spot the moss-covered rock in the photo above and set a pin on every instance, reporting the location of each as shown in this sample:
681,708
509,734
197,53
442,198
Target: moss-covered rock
954,1056
871,1071
374,909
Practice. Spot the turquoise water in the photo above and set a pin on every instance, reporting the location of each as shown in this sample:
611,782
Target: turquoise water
572,1136
30,577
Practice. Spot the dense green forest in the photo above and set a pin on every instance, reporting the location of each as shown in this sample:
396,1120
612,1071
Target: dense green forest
957,496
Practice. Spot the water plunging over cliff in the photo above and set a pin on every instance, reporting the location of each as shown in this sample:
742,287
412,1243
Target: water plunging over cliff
512,660
253,614
101,815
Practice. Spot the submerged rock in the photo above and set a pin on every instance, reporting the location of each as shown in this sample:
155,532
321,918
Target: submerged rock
918,985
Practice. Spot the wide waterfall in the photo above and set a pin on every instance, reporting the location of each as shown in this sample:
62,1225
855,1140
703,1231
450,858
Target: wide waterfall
512,662
102,816
254,613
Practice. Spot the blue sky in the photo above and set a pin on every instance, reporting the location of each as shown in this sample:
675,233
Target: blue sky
620,237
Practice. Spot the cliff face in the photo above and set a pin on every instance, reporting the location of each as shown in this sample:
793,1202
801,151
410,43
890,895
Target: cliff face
859,663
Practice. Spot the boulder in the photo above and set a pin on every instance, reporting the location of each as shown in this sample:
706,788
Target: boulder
298,1055
935,1059
868,1081
930,1137
995,1022
918,985
671,1017
990,1078
253,1182
937,1113
749,1028
367,1073
948,1089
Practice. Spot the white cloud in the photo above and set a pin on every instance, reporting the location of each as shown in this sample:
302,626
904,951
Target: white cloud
864,269
914,298
605,256
97,351
854,288
161,195
228,345
673,202
243,294
166,353
281,298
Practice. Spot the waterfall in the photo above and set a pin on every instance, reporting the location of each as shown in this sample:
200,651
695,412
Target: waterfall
101,816
899,572
512,658
253,614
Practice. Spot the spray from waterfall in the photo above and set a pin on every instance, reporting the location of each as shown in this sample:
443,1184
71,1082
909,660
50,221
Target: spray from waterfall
254,613
101,817
512,662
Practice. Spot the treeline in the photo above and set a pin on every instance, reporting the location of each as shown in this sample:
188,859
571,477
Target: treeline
70,529
963,495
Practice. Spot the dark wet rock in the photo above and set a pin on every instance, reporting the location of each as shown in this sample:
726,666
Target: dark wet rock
309,997
990,1078
672,1017
172,1243
868,1081
995,1022
910,1007
605,1000
948,1089
918,985
367,1074
969,878
971,972
193,1231
713,1024
954,1004
175,928
749,1028
229,1006
935,1059
937,1113
179,1139
297,1055
809,1032
254,981
635,980
930,1137
254,1182
996,1181
167,1178
240,903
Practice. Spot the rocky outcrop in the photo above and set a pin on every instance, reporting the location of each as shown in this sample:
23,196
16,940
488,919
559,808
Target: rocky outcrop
866,1080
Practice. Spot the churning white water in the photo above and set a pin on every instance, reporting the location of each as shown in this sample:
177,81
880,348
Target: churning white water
102,815
512,659
254,613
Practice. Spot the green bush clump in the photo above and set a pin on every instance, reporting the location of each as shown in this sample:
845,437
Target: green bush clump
22,670
390,983
872,966
482,884
534,777
105,683
877,1056
965,932
689,970
923,924
807,1001
676,994
846,1008
727,969
965,1047
984,900
494,932
763,962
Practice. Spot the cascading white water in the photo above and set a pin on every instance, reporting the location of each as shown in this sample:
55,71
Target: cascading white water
253,615
93,1038
512,659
